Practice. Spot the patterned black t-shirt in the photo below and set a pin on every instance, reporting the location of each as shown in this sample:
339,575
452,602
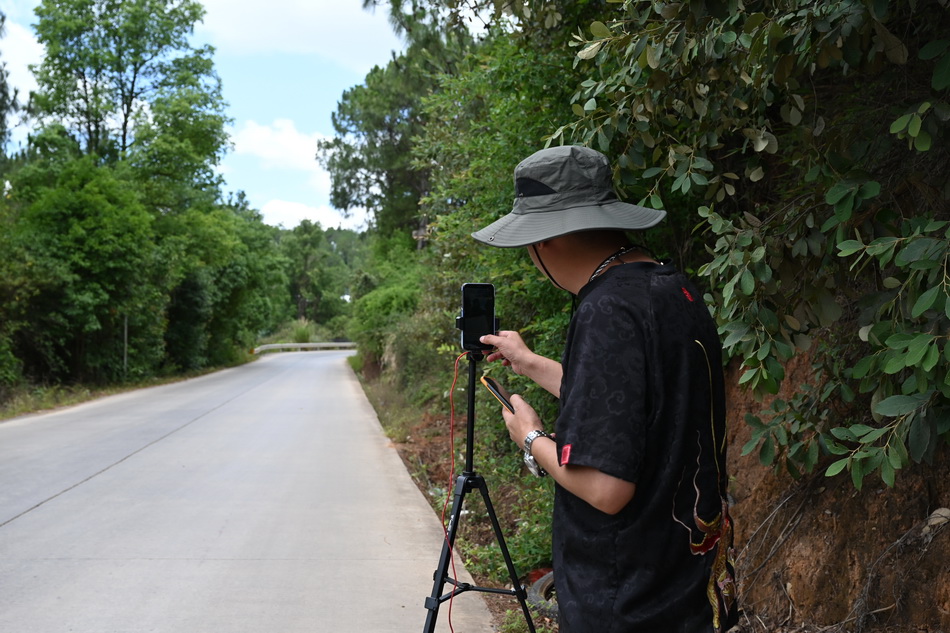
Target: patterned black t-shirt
642,399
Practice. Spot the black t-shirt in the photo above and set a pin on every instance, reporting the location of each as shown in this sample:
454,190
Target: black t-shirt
642,399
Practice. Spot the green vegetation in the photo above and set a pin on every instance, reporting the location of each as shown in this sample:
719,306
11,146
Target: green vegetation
799,147
123,258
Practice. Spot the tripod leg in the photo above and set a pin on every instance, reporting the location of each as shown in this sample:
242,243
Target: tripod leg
519,589
442,572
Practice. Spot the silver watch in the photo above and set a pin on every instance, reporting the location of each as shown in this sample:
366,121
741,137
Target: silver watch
529,460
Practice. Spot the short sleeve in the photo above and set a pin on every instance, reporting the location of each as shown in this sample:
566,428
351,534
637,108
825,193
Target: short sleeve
603,417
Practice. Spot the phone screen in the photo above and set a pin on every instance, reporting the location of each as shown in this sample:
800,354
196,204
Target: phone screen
478,315
499,392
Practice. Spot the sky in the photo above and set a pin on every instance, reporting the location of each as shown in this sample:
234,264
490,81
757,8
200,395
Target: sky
283,69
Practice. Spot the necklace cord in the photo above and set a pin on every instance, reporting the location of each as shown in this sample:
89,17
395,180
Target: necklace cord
623,251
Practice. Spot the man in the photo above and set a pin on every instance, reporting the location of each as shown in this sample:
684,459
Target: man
642,537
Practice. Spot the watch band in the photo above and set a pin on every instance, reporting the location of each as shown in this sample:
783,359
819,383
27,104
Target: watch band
529,460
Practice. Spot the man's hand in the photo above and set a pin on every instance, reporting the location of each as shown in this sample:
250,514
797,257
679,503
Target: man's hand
512,351
522,421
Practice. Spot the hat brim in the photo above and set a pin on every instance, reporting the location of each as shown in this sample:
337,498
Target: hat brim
522,229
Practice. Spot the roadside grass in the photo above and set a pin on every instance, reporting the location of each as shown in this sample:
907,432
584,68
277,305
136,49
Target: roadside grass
26,398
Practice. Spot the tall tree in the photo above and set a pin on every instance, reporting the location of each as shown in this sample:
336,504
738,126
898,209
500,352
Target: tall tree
369,159
87,277
105,60
318,271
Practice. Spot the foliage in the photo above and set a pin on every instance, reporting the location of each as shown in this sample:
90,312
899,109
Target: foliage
88,248
387,292
830,203
318,269
121,259
375,123
105,60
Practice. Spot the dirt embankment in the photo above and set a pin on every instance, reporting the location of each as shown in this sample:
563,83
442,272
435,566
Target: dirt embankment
818,555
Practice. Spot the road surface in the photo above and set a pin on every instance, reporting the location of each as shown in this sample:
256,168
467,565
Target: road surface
260,499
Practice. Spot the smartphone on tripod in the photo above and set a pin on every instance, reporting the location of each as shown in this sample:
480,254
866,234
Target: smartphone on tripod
478,315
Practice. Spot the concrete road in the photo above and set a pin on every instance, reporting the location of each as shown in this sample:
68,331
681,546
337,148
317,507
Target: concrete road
263,499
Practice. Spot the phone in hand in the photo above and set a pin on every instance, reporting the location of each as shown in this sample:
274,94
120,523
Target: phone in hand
499,392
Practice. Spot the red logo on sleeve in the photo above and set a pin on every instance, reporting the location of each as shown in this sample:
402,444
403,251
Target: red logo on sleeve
686,292
565,454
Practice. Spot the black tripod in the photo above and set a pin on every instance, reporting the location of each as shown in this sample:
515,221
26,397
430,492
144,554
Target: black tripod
466,482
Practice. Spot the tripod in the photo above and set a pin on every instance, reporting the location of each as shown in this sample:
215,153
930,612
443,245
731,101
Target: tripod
468,481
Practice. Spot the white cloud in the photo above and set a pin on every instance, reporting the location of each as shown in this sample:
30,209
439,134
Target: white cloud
20,48
339,31
290,214
281,146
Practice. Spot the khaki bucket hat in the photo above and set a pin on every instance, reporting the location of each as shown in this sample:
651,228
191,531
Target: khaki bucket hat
561,190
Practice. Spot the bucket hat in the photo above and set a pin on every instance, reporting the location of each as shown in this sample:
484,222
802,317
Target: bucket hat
561,190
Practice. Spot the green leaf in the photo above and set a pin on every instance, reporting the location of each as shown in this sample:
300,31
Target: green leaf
862,367
858,470
918,439
735,336
600,30
923,142
900,340
917,349
837,467
874,435
913,128
895,406
933,49
767,452
750,446
747,283
844,434
930,360
887,473
834,447
919,248
849,247
870,189
845,207
926,301
901,123
837,192
896,455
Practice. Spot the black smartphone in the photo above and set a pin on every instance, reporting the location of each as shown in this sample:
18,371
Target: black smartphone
478,315
499,392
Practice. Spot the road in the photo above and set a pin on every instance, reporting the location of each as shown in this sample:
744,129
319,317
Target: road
263,498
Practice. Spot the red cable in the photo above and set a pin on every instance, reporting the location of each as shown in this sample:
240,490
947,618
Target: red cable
445,530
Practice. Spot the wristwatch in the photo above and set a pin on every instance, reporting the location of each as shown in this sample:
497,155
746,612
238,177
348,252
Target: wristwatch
529,460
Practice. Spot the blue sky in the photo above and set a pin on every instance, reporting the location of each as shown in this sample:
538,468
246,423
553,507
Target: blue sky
284,65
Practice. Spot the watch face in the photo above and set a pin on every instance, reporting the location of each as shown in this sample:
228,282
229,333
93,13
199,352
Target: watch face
529,460
532,466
